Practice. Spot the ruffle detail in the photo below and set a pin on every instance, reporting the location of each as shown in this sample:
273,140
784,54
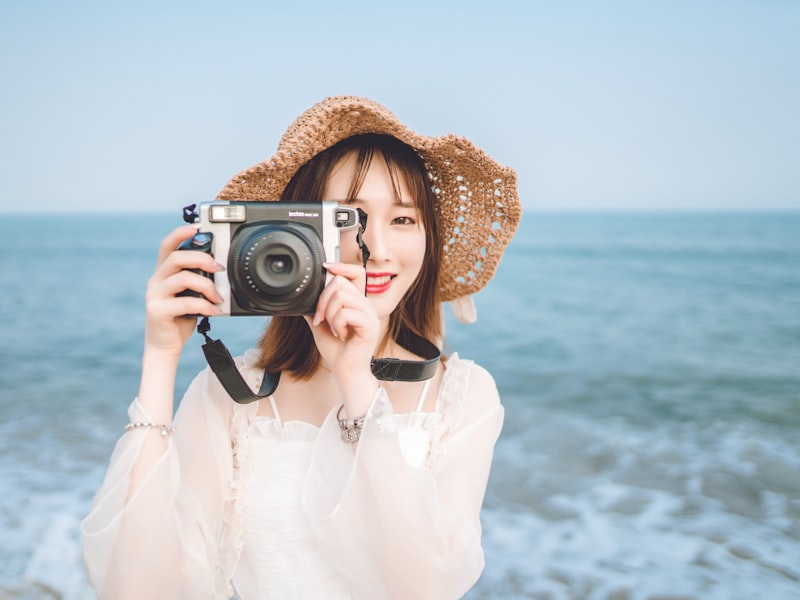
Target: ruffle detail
453,392
232,540
382,413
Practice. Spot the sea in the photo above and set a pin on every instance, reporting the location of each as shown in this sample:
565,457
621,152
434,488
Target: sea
649,364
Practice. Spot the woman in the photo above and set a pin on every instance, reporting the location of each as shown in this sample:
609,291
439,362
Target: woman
339,485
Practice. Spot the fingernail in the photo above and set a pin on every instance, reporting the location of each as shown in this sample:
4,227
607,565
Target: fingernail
220,267
316,321
336,335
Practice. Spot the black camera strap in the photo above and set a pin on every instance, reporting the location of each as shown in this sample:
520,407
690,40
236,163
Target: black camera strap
384,369
224,367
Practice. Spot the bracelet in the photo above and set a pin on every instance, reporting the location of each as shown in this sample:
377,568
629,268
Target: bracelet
165,429
351,428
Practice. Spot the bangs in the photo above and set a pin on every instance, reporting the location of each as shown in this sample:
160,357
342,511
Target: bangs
402,162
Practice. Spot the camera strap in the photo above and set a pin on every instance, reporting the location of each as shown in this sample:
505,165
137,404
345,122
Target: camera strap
224,367
396,369
384,369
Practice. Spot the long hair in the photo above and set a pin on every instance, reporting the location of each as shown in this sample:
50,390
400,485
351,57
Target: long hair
287,343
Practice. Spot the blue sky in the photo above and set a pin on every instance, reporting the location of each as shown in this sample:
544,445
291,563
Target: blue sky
598,105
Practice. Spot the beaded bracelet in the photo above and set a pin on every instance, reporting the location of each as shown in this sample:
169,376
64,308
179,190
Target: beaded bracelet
351,428
165,429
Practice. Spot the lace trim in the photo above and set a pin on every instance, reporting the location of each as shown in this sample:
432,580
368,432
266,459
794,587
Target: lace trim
233,516
453,392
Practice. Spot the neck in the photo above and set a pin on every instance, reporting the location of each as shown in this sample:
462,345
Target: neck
386,345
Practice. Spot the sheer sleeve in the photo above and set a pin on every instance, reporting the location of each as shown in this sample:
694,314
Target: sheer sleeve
395,531
162,540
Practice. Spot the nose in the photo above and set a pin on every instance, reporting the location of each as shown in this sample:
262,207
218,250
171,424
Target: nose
376,240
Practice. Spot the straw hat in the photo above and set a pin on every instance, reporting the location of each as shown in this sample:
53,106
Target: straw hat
478,206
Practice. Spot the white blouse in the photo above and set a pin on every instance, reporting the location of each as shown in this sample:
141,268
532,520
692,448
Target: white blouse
247,506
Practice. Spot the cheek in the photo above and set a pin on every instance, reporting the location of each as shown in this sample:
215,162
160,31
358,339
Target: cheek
415,251
349,252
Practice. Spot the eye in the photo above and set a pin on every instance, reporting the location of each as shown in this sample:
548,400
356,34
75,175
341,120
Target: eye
404,220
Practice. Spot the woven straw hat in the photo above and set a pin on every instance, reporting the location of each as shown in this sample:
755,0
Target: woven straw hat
478,206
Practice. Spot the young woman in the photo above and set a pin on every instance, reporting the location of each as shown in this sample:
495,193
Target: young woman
339,485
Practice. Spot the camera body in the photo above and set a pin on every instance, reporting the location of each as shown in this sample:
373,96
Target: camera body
273,252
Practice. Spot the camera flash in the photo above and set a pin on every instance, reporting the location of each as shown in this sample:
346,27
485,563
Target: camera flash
227,213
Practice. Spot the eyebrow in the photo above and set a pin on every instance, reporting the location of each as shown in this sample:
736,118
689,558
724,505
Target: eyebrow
398,202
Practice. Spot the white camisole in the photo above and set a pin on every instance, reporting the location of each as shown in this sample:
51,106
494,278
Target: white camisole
280,558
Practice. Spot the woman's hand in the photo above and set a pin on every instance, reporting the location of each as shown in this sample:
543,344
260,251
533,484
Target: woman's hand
346,329
167,329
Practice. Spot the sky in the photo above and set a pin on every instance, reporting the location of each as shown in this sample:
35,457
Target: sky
148,106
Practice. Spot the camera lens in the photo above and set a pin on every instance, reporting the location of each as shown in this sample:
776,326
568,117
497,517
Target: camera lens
279,263
276,267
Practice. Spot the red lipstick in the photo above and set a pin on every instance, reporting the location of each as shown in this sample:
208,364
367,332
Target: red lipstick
378,283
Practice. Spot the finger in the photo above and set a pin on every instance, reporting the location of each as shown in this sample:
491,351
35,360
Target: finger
185,281
346,302
322,302
173,240
339,293
181,306
352,277
349,322
329,305
356,274
187,259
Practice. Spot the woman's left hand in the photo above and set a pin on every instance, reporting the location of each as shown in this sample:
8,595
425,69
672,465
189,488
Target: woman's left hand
346,327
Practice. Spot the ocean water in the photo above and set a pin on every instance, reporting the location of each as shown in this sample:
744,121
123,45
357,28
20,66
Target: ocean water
649,365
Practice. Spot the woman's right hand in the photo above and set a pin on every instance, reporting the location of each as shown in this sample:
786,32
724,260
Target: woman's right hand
167,328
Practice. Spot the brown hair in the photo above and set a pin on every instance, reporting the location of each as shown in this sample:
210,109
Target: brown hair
288,344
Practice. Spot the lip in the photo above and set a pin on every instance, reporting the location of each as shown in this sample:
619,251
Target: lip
378,283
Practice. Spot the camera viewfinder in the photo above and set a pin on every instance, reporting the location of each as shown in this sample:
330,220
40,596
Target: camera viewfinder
345,218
